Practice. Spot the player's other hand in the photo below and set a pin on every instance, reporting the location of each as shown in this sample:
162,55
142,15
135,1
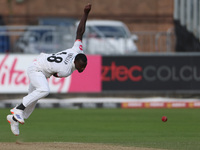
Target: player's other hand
87,8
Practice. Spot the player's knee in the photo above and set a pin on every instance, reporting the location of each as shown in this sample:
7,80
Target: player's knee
44,92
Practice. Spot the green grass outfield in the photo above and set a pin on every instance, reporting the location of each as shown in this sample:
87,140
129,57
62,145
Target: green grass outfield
128,127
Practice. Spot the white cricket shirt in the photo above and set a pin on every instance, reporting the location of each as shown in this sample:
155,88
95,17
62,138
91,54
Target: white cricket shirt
61,63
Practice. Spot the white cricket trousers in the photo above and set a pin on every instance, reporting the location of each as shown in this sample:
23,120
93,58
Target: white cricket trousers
38,88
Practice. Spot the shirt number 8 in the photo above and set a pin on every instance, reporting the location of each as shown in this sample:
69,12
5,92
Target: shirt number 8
54,59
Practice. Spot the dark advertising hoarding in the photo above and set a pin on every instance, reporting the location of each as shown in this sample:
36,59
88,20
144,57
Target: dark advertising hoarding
151,72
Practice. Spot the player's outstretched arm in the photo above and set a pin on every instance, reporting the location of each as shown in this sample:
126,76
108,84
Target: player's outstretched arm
81,27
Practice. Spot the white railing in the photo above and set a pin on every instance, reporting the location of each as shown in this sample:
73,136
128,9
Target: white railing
149,41
50,39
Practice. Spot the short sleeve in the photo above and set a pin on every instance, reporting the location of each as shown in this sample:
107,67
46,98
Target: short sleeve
78,46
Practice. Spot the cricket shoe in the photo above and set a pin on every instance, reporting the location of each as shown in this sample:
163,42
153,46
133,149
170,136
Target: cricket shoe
13,125
18,115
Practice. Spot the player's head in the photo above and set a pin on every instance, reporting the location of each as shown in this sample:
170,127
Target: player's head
80,62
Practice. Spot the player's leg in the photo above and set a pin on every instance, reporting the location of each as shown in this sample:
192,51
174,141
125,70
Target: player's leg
14,124
30,108
30,89
41,89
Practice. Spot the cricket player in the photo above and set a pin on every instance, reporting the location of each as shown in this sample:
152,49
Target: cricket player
61,64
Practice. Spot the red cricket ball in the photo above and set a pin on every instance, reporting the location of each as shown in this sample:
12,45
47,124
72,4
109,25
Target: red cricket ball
164,118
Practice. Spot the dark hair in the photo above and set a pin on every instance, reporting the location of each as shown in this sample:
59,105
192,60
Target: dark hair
81,57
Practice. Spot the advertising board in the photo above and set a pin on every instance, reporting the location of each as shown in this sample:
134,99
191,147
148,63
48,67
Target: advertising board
14,79
151,73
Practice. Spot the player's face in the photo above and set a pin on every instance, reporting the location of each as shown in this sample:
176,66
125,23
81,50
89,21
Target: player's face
80,66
